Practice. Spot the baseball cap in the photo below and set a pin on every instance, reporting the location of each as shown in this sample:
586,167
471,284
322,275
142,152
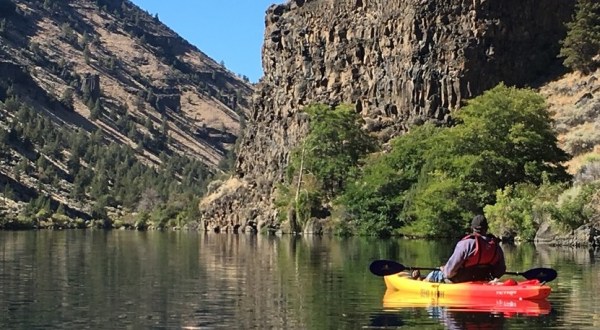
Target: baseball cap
479,222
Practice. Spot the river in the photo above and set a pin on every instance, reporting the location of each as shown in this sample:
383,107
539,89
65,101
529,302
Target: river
93,279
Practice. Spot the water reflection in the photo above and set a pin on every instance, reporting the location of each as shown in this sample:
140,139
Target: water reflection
448,318
467,320
137,280
462,314
506,307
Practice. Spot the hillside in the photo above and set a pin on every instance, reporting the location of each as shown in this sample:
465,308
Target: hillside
108,70
574,102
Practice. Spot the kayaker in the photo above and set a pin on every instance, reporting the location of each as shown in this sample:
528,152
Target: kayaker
477,257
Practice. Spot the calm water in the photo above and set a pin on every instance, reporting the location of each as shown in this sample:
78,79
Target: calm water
138,280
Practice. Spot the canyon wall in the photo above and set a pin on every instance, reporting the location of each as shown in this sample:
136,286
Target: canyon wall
399,62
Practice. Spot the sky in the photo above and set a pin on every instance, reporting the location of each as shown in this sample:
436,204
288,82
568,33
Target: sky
228,31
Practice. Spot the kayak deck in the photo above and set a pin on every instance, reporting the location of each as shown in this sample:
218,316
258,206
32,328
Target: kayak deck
510,289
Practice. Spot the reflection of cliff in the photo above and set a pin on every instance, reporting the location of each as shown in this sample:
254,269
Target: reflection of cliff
552,255
267,273
303,281
399,63
247,265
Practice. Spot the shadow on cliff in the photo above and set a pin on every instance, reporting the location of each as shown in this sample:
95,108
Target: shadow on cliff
25,194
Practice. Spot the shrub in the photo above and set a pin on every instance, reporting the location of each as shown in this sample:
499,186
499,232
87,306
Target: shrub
141,222
513,215
589,171
576,206
580,141
577,115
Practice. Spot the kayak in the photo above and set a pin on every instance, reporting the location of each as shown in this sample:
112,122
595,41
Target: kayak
507,307
509,289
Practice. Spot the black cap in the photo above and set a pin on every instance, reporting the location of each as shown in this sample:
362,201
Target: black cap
479,222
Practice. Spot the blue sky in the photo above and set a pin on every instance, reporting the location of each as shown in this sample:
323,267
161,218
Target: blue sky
226,30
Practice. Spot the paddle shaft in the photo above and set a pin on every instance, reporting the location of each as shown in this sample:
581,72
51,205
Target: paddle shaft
390,267
421,268
431,268
513,273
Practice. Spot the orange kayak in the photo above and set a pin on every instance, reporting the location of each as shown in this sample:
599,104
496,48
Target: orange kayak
509,289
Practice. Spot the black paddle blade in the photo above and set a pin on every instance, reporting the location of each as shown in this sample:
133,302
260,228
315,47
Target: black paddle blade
541,274
385,267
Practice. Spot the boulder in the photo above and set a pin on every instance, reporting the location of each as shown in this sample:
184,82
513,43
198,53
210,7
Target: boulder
553,234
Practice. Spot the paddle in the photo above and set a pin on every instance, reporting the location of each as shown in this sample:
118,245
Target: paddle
389,267
542,274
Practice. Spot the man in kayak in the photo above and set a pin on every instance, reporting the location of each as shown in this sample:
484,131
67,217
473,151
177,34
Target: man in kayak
477,257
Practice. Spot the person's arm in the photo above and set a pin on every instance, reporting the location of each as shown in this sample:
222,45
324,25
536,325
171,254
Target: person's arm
457,259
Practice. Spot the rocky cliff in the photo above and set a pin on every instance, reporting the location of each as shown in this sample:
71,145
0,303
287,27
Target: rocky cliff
399,62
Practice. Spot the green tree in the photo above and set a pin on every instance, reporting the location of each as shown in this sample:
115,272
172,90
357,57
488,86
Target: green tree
42,163
67,33
67,98
374,199
85,39
503,137
22,167
334,145
86,54
111,63
148,124
581,47
79,183
320,165
60,209
48,4
9,193
96,110
99,186
439,181
11,103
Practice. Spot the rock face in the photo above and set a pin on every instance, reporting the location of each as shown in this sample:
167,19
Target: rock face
399,62
586,235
